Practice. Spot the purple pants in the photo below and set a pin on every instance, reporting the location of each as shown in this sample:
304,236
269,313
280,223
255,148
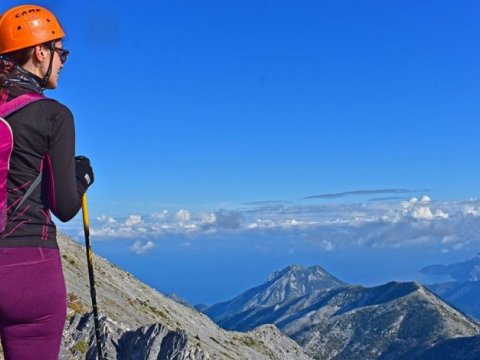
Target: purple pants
32,303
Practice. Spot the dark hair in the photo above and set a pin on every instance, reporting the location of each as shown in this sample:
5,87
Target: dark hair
20,57
8,61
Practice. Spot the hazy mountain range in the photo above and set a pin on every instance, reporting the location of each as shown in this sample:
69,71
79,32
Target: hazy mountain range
462,271
464,293
339,321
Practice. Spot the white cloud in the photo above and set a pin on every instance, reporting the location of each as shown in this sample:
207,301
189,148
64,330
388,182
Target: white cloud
327,245
105,231
422,213
229,220
471,210
183,215
160,215
441,214
189,227
208,219
140,248
133,220
425,199
106,219
448,239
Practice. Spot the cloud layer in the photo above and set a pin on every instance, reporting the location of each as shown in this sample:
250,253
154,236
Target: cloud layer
449,226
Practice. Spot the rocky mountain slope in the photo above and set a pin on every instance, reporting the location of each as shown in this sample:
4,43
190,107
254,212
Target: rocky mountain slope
137,322
392,321
281,286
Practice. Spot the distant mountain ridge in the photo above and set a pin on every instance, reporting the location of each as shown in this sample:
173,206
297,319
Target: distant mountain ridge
289,283
463,293
340,322
462,271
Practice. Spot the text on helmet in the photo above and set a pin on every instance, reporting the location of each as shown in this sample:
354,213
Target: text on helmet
26,12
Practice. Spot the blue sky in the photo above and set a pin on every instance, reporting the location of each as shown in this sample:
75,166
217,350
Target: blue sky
208,124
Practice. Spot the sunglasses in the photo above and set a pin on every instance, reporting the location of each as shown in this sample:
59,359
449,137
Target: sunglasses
63,53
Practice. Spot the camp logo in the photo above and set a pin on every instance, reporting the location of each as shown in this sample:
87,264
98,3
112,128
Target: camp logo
26,12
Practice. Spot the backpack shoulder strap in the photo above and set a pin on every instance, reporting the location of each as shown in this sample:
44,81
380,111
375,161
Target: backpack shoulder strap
19,102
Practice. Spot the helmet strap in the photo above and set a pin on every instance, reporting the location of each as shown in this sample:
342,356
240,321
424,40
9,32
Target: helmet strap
49,71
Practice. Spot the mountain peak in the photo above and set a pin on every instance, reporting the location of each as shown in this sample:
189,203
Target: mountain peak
314,270
290,283
295,281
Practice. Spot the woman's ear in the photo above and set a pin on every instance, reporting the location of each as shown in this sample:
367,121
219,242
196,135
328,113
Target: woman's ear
39,53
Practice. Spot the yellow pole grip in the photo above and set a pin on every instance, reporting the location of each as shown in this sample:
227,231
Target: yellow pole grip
86,225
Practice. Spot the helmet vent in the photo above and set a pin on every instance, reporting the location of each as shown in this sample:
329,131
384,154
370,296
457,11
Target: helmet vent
53,32
19,27
48,20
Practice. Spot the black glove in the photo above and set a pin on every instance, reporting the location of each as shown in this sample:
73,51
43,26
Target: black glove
84,171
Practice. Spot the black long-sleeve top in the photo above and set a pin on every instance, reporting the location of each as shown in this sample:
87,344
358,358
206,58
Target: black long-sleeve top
44,142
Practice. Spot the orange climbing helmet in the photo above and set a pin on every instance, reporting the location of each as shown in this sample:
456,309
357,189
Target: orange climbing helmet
27,25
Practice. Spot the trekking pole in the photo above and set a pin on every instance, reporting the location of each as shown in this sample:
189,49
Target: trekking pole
93,294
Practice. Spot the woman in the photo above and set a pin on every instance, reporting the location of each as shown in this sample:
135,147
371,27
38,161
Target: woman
32,286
